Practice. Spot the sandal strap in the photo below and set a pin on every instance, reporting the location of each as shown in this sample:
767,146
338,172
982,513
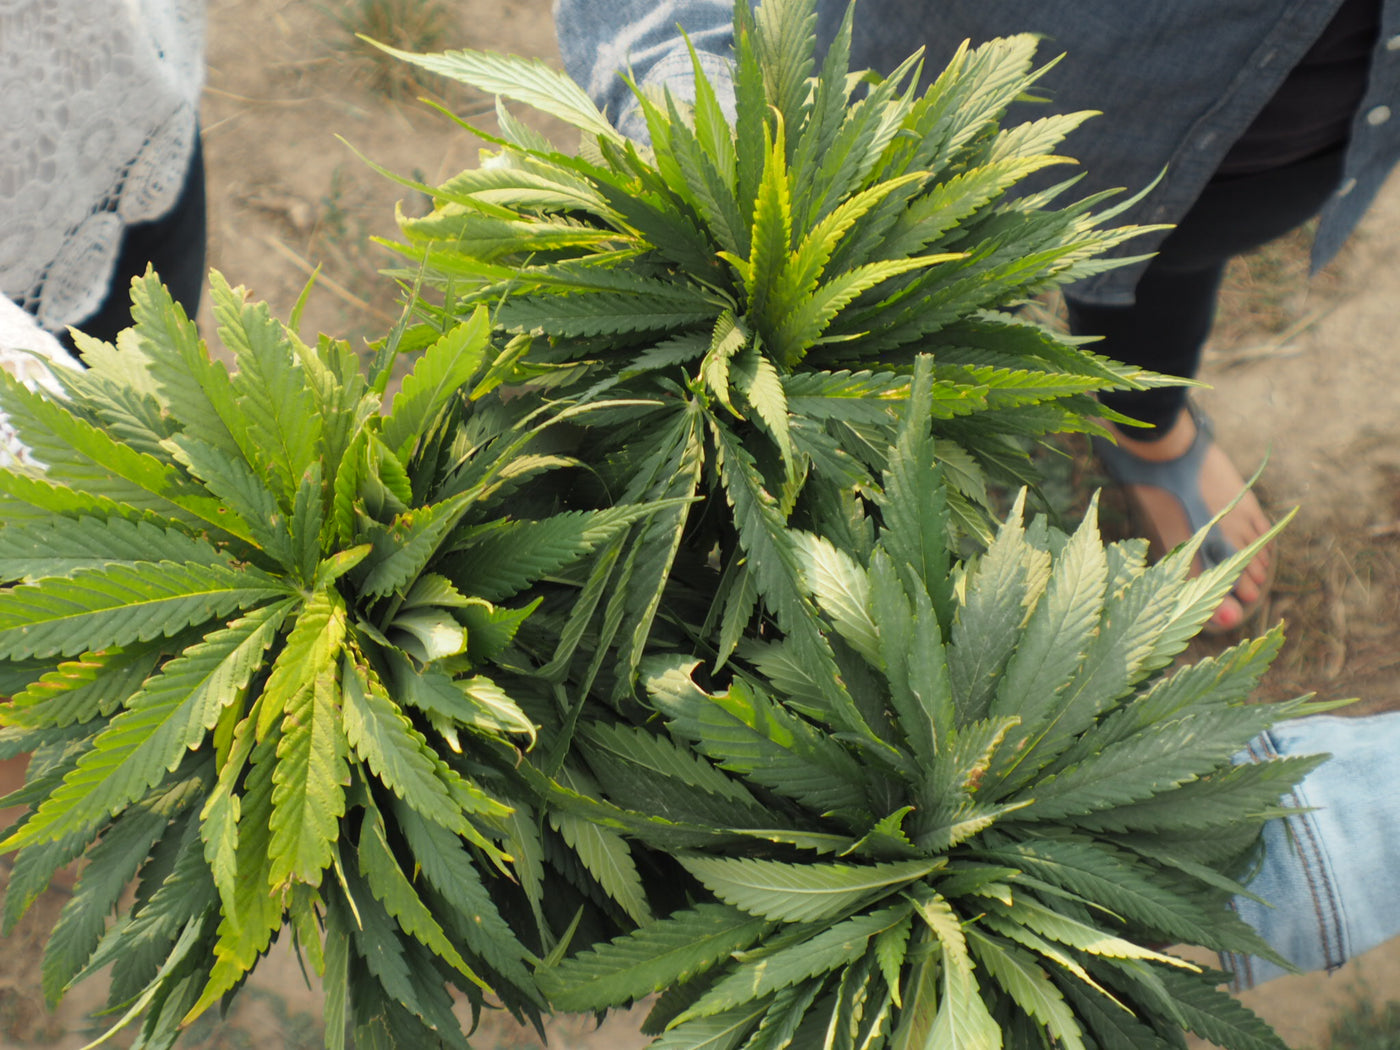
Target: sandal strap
1179,477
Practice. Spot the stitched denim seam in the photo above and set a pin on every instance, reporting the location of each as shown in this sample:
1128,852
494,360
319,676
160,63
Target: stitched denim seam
1324,894
1241,964
1327,910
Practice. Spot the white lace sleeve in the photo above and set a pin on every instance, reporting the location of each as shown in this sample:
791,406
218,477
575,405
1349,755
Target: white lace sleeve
100,117
29,353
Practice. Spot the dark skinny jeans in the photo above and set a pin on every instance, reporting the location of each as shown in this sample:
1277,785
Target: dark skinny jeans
1165,329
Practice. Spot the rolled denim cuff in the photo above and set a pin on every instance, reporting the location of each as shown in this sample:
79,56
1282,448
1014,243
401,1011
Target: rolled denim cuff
1327,873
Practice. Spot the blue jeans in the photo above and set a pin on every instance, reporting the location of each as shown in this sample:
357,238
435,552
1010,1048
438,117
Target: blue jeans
1328,873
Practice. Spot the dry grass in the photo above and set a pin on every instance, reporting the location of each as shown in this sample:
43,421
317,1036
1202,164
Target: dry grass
1269,297
1367,1025
1337,591
409,25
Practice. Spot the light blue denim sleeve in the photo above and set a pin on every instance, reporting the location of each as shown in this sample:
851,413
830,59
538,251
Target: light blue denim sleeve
601,40
1328,874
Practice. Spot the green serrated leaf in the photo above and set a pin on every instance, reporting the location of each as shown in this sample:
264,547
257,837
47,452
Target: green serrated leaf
82,690
642,770
1156,760
172,713
1058,631
842,591
402,551
601,314
393,890
444,368
662,954
83,455
802,892
283,426
605,854
1004,583
767,972
111,865
727,339
308,796
721,1032
772,551
396,752
245,933
744,731
34,868
1214,1014
525,80
404,978
1030,988
124,603
242,490
499,563
60,546
450,870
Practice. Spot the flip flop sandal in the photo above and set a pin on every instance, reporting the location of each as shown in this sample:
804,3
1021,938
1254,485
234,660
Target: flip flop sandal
1181,479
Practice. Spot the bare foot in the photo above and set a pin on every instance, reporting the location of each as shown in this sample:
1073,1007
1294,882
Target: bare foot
1165,521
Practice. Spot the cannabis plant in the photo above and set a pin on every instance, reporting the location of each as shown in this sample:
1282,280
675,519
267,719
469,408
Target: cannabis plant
249,631
991,844
631,649
760,286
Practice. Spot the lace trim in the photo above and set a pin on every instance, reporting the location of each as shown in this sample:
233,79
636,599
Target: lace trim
102,103
26,352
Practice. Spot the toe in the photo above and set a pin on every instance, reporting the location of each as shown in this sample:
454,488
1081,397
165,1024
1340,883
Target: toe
1229,616
1255,578
1248,590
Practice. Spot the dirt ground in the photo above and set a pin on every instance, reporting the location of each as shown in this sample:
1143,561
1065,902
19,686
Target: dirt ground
1294,371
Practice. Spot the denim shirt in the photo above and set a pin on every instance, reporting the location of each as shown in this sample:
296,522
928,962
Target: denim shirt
1176,83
